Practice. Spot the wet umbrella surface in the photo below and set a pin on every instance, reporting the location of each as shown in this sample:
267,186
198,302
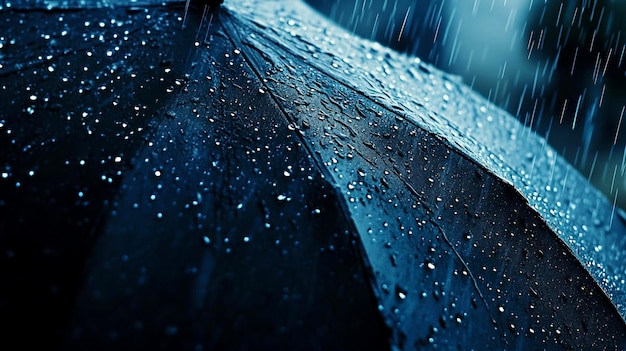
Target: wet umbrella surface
261,179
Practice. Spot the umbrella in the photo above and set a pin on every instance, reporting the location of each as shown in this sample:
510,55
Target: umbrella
262,179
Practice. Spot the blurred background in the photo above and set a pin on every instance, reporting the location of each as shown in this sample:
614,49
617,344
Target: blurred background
558,66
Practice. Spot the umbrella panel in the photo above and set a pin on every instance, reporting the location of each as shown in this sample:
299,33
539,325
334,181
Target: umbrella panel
439,103
226,235
460,258
78,89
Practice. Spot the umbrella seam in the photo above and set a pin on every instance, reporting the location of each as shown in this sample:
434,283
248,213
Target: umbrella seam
469,271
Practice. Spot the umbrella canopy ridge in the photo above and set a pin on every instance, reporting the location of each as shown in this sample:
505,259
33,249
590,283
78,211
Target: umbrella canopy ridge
441,104
453,113
282,184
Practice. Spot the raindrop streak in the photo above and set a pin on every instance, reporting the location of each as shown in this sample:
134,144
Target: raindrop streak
406,16
619,125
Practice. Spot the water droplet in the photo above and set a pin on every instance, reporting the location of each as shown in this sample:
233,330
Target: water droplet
401,293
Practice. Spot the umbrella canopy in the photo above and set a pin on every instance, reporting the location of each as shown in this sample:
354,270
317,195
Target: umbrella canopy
261,178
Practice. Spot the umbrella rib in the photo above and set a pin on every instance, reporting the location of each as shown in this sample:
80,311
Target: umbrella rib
228,32
322,71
